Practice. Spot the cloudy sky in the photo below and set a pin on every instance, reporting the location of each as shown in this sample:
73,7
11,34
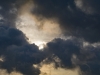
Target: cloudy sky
43,37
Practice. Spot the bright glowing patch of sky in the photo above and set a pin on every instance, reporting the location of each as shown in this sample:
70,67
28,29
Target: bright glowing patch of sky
37,31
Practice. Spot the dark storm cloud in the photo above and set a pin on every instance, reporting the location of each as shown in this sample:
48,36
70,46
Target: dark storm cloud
73,53
73,21
64,50
18,54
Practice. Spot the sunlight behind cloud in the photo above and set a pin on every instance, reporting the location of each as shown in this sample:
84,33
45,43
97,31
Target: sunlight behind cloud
40,44
37,31
45,31
40,31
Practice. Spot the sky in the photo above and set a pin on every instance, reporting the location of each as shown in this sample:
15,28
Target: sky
34,34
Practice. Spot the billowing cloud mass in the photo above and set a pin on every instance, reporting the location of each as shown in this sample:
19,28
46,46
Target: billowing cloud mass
17,54
78,19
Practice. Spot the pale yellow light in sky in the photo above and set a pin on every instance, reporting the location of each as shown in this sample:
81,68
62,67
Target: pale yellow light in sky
50,70
4,72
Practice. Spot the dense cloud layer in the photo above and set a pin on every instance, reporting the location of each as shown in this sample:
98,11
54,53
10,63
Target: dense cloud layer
77,18
72,53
